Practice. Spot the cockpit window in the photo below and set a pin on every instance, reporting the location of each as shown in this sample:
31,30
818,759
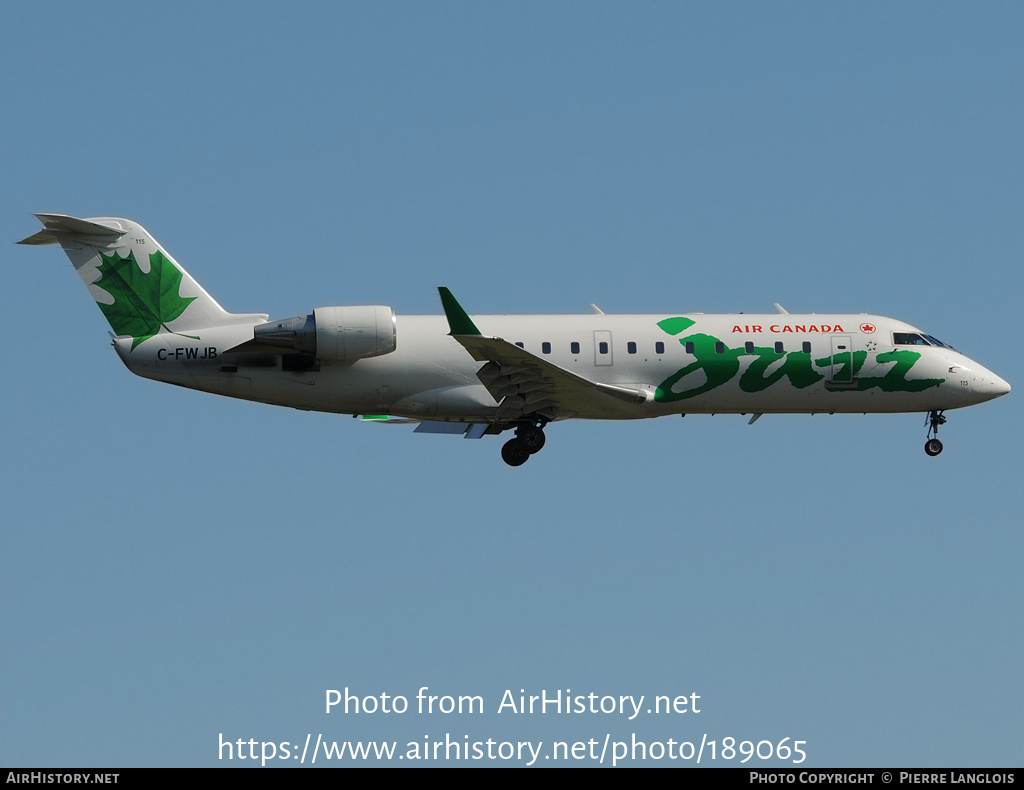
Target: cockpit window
909,339
935,341
918,339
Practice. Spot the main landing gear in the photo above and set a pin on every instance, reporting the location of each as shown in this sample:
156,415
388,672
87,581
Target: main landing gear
933,446
529,439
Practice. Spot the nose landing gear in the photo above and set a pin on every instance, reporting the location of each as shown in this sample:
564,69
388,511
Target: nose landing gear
529,439
933,446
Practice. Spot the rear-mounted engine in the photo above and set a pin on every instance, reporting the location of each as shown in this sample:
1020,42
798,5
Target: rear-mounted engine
334,333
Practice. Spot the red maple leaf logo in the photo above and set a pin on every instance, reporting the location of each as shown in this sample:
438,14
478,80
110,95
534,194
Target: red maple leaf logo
867,329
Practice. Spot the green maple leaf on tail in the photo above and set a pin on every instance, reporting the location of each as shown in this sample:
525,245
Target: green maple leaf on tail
143,302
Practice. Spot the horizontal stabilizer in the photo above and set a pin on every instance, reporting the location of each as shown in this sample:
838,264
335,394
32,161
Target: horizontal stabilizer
63,224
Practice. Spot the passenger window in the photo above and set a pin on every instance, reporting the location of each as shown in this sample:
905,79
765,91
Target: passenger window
602,347
574,347
631,347
689,347
749,347
545,347
807,346
779,348
719,347
659,348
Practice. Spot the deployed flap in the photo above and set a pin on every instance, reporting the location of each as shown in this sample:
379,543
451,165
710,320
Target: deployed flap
469,430
525,384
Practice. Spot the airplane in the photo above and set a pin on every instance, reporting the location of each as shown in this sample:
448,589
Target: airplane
489,374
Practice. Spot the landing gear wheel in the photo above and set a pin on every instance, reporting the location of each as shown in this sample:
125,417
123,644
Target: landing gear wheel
934,419
514,452
532,438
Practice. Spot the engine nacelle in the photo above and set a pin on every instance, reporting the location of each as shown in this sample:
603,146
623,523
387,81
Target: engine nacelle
334,333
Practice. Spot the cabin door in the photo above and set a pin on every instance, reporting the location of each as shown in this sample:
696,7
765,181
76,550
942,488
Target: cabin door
842,361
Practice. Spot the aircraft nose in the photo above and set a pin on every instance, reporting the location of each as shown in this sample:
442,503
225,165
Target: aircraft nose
989,385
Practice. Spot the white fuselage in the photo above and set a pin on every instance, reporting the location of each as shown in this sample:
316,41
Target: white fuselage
488,374
686,364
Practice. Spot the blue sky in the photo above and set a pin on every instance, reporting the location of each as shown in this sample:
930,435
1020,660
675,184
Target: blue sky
179,566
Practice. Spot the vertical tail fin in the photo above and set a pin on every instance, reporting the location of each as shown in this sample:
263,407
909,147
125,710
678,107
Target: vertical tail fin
139,287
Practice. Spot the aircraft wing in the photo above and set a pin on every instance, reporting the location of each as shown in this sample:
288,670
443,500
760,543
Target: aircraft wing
524,384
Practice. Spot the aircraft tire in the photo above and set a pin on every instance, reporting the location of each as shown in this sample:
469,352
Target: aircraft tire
532,438
933,447
514,453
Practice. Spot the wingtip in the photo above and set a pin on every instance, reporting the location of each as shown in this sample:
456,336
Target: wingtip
459,322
